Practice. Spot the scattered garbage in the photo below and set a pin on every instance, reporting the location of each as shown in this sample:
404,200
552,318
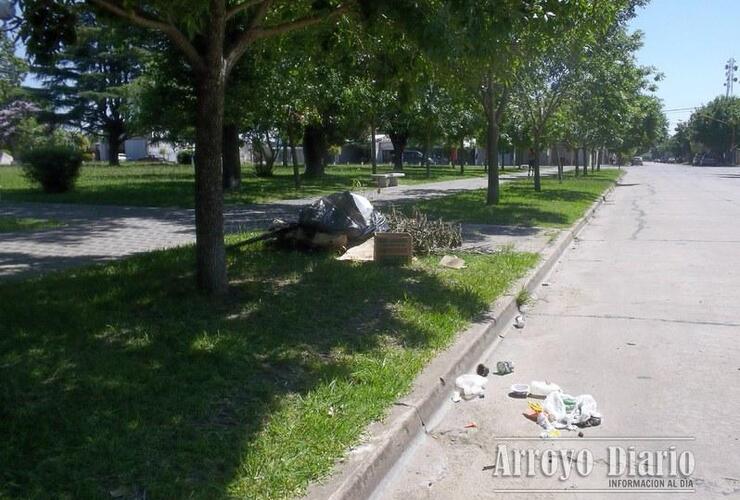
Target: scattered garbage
482,370
540,388
583,412
504,367
471,385
562,411
452,262
471,425
364,252
393,248
519,322
520,390
456,398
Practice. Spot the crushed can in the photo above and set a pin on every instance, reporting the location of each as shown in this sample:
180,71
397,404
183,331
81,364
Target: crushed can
504,367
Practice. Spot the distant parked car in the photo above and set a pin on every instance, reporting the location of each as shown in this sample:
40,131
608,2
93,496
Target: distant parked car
636,161
708,161
122,157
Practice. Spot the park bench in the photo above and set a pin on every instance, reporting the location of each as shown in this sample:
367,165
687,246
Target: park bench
387,180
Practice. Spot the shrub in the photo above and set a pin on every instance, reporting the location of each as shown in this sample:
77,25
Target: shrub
53,166
185,157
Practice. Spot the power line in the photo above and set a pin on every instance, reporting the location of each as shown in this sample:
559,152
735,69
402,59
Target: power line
674,110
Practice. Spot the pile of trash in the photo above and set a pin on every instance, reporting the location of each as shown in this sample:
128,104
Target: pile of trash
558,411
346,223
562,411
335,222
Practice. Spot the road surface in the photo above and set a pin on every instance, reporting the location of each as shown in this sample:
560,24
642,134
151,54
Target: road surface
643,313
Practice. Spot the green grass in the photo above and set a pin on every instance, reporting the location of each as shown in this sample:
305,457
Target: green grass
121,376
14,224
173,185
557,205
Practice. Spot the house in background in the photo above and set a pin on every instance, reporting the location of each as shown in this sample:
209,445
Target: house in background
5,158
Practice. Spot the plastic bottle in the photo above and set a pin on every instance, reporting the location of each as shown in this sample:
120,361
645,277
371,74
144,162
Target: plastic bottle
540,388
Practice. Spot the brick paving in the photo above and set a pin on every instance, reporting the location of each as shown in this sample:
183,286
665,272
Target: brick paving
92,233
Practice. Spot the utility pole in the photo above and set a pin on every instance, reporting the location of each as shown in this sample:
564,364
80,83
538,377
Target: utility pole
730,69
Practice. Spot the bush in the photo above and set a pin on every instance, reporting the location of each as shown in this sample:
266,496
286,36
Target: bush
55,167
185,157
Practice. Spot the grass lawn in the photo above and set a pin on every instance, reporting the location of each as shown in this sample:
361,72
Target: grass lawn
173,185
13,224
121,376
557,205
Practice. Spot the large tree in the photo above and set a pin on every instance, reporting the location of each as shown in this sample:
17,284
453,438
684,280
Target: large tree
715,125
89,80
213,36
554,72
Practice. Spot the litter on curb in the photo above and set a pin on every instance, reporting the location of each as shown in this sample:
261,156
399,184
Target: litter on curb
471,385
504,367
452,262
562,411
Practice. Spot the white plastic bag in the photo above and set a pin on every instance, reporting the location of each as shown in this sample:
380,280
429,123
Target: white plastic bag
471,385
555,406
585,409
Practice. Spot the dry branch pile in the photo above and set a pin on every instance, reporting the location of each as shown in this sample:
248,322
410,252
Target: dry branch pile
428,236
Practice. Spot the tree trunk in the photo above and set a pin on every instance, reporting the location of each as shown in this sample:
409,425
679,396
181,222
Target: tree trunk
576,151
373,149
585,161
503,161
285,154
114,145
560,164
598,159
426,157
493,194
296,169
592,156
209,218
537,178
399,140
461,156
314,150
232,165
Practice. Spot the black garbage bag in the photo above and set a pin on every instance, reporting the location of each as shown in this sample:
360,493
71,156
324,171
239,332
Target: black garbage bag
343,213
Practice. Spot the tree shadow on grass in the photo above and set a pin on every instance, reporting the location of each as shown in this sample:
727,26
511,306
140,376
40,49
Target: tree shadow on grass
121,375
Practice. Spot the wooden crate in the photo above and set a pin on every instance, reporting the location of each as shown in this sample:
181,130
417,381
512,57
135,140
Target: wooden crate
393,248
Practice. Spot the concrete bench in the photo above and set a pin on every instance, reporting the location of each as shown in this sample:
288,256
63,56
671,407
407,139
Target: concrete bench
387,180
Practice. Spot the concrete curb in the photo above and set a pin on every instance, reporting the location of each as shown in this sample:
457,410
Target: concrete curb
365,467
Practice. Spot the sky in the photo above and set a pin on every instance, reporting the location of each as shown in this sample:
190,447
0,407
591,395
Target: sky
689,41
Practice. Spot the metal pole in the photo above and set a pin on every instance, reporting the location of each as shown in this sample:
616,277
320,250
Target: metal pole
731,68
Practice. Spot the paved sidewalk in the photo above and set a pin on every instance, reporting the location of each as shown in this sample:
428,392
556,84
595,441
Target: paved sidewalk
94,233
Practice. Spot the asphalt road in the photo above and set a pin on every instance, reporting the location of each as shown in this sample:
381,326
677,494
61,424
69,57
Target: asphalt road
643,313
